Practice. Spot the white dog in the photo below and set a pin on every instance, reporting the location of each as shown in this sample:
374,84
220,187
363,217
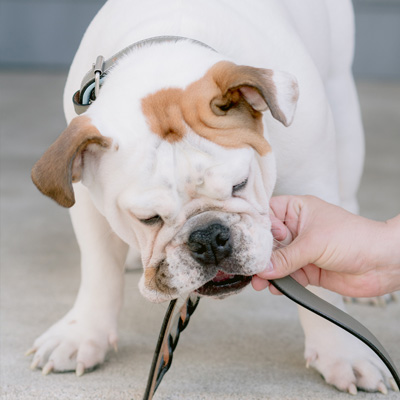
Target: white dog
182,149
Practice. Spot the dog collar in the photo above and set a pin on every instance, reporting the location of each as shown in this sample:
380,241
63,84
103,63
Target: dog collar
94,78
169,333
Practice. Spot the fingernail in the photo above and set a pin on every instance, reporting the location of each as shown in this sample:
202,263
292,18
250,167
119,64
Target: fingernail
270,267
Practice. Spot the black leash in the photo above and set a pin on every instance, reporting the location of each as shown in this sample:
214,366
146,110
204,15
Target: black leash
300,295
167,342
168,338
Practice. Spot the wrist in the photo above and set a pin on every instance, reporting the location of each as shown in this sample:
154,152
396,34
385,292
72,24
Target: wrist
394,240
387,249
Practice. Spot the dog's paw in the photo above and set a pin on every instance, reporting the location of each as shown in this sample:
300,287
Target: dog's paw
350,365
78,342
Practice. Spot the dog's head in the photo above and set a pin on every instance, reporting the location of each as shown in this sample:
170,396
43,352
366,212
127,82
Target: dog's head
177,161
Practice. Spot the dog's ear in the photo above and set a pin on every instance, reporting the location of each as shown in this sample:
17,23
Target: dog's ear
262,89
62,163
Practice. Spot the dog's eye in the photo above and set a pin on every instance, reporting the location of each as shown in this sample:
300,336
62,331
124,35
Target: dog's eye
240,186
152,220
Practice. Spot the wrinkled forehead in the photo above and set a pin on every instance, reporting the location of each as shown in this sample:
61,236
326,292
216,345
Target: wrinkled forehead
173,174
198,159
195,167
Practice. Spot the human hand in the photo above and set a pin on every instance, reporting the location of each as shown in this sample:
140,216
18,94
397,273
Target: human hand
330,247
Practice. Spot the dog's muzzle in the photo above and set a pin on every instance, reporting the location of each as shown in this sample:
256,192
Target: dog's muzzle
211,246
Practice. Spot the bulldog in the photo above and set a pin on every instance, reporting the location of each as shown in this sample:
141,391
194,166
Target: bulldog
214,107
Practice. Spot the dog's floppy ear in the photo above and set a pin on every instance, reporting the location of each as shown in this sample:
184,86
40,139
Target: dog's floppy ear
261,88
61,164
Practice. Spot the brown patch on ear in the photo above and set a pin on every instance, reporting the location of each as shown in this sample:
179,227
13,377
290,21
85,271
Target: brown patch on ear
61,164
216,109
257,85
164,115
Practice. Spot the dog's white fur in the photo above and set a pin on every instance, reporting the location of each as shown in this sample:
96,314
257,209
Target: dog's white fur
140,175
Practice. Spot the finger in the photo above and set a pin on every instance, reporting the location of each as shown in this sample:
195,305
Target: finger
278,205
279,230
301,277
274,290
259,283
289,259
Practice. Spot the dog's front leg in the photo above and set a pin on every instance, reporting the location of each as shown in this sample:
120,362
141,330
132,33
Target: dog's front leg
80,340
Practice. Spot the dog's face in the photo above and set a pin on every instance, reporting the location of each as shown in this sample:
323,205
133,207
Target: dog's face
186,175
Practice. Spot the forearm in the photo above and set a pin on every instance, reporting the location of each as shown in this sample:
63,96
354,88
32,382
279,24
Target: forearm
381,268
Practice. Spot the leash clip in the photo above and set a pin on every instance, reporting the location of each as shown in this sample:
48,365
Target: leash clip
90,86
98,69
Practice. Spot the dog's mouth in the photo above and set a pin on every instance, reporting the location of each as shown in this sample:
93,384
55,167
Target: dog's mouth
223,284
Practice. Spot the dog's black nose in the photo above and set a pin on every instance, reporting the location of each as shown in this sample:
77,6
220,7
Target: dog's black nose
211,244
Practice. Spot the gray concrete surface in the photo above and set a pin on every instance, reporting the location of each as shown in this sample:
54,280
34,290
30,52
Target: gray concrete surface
245,347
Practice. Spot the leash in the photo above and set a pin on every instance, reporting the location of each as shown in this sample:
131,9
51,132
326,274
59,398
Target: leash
300,295
168,338
167,342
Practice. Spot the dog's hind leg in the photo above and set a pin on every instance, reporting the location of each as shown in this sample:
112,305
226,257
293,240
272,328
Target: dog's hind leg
350,138
343,99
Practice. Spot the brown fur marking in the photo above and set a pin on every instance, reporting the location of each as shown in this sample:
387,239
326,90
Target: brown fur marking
164,114
150,278
214,108
54,173
158,282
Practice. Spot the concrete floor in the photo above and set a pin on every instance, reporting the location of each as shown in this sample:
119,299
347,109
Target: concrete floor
245,347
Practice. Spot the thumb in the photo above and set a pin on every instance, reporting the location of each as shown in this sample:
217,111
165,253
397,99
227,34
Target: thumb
287,260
